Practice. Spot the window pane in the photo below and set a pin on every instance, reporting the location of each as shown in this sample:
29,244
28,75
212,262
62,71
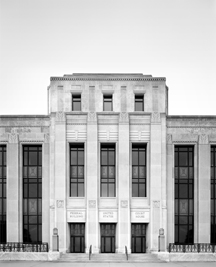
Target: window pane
104,158
80,157
134,190
73,157
111,190
135,157
32,190
111,158
183,159
33,158
80,190
141,190
107,106
142,157
104,190
73,190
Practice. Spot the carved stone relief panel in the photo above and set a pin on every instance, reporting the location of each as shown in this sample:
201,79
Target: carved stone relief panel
155,117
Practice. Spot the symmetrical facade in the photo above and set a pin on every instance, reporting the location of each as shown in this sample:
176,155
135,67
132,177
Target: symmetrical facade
108,167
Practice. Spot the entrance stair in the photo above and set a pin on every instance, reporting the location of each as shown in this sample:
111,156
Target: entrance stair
108,257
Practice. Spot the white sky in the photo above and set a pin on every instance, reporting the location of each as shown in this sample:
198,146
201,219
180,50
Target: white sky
175,39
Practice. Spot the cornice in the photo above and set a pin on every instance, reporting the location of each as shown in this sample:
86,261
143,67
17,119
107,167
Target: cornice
106,79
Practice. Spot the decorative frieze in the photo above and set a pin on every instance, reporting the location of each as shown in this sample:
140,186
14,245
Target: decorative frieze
156,203
92,117
60,204
124,203
123,118
169,139
155,117
92,204
46,137
203,139
13,137
60,116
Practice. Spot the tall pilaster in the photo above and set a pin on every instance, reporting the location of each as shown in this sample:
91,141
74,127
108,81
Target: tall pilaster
123,183
155,179
204,189
13,226
60,178
92,183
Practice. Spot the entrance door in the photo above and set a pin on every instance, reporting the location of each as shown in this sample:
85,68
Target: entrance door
107,238
77,240
138,233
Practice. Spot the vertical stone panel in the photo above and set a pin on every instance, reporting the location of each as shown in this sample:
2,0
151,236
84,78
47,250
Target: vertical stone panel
13,181
92,184
204,191
91,98
60,179
123,187
123,99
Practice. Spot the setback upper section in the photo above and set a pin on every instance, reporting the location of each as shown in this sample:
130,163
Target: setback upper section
94,89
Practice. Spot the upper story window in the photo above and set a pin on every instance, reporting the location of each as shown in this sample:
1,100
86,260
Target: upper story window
77,170
107,103
139,170
139,102
108,181
76,102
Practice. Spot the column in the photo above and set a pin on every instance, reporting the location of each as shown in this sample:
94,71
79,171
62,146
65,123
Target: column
155,180
45,191
123,184
92,178
13,225
60,179
204,190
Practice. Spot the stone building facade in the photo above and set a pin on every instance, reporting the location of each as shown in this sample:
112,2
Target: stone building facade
108,167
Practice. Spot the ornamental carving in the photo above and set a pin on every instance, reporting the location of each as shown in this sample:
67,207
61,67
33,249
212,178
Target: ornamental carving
124,203
156,203
169,139
60,116
92,204
13,137
92,116
60,203
203,139
46,137
123,117
155,117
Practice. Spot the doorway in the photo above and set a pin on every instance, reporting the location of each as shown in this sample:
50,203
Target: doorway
77,237
138,236
108,237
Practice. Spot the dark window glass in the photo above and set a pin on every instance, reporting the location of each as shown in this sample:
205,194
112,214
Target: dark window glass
77,170
3,194
213,194
184,194
107,103
76,102
108,170
139,170
139,103
32,194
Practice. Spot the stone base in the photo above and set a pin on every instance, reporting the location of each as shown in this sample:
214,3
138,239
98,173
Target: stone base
29,256
166,256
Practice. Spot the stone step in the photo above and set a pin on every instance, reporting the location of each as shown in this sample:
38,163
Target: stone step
111,257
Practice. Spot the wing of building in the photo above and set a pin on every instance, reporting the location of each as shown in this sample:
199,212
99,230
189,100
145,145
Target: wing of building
108,167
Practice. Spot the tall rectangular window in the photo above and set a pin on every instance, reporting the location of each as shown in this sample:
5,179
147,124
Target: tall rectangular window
76,102
107,103
32,194
77,170
3,193
108,181
213,194
184,195
139,103
139,170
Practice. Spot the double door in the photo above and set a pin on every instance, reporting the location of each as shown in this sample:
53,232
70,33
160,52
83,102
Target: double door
108,237
138,236
77,237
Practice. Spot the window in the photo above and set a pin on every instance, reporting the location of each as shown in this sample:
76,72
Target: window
76,102
108,170
139,103
107,103
32,194
3,198
77,170
184,195
213,194
139,170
